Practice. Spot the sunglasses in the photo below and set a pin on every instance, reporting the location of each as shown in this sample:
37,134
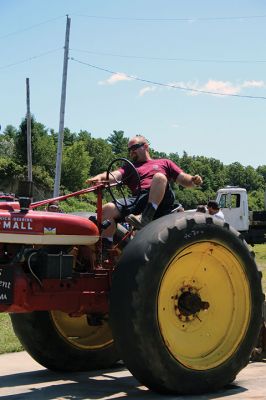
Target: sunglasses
135,147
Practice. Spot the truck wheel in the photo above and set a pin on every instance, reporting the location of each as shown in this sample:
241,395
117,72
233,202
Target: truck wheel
186,304
62,343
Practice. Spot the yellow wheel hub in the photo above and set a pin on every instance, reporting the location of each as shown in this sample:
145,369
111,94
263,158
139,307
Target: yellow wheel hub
204,305
80,333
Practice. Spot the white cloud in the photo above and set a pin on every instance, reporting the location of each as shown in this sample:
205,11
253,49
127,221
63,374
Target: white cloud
147,89
175,126
115,78
253,84
224,87
192,88
216,87
188,87
227,87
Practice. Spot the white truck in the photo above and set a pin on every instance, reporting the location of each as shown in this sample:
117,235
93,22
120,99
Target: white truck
233,202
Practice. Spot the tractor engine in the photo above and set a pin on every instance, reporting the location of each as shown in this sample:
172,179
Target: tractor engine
48,261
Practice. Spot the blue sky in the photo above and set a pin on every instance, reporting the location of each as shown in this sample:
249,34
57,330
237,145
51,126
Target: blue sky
213,46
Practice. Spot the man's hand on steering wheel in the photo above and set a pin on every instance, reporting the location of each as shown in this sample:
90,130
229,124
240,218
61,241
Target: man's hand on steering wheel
93,181
114,177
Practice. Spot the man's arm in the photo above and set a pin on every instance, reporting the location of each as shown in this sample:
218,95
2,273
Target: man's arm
188,180
115,176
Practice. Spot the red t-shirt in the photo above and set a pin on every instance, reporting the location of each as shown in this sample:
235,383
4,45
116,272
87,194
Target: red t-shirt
146,171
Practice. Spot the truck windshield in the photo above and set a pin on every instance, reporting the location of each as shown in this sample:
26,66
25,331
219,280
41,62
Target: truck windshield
231,200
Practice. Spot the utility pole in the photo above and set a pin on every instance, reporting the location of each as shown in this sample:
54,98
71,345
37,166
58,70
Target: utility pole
62,113
29,155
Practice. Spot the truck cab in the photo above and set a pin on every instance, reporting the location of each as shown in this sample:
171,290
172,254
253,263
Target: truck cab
233,202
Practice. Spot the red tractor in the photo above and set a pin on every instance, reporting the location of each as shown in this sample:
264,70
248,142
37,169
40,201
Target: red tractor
180,302
7,197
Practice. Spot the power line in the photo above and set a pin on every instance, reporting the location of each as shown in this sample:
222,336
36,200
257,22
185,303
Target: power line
166,84
30,58
169,58
190,19
30,27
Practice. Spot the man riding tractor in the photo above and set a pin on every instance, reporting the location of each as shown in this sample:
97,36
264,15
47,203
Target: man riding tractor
156,197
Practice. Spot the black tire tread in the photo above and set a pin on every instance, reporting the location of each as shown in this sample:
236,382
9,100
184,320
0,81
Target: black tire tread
135,329
42,341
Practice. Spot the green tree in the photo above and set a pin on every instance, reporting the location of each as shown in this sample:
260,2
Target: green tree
190,198
10,173
43,146
262,171
246,177
175,158
235,174
7,142
100,152
84,135
69,137
102,156
7,147
43,183
119,143
75,166
218,174
157,154
10,132
256,200
185,162
253,180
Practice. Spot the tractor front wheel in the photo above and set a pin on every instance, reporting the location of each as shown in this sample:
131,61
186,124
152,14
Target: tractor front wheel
63,343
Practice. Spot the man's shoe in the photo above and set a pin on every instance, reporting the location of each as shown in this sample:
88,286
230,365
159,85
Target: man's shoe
135,220
139,221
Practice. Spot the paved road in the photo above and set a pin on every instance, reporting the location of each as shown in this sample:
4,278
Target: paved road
21,378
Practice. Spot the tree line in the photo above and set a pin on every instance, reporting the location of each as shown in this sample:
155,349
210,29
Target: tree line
84,156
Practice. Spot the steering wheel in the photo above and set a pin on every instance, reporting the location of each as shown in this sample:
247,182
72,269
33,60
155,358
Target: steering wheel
131,175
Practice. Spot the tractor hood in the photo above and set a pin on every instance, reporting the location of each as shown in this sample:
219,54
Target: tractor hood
46,228
9,205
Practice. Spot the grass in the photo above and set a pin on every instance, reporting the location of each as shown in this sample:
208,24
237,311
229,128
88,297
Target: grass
9,343
260,252
8,340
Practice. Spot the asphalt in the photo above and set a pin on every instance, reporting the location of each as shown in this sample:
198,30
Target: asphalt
24,379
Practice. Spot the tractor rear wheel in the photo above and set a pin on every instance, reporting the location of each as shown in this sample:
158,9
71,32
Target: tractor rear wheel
186,304
63,343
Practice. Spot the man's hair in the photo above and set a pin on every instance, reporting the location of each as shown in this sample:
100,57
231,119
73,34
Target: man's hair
213,204
53,204
142,138
201,208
